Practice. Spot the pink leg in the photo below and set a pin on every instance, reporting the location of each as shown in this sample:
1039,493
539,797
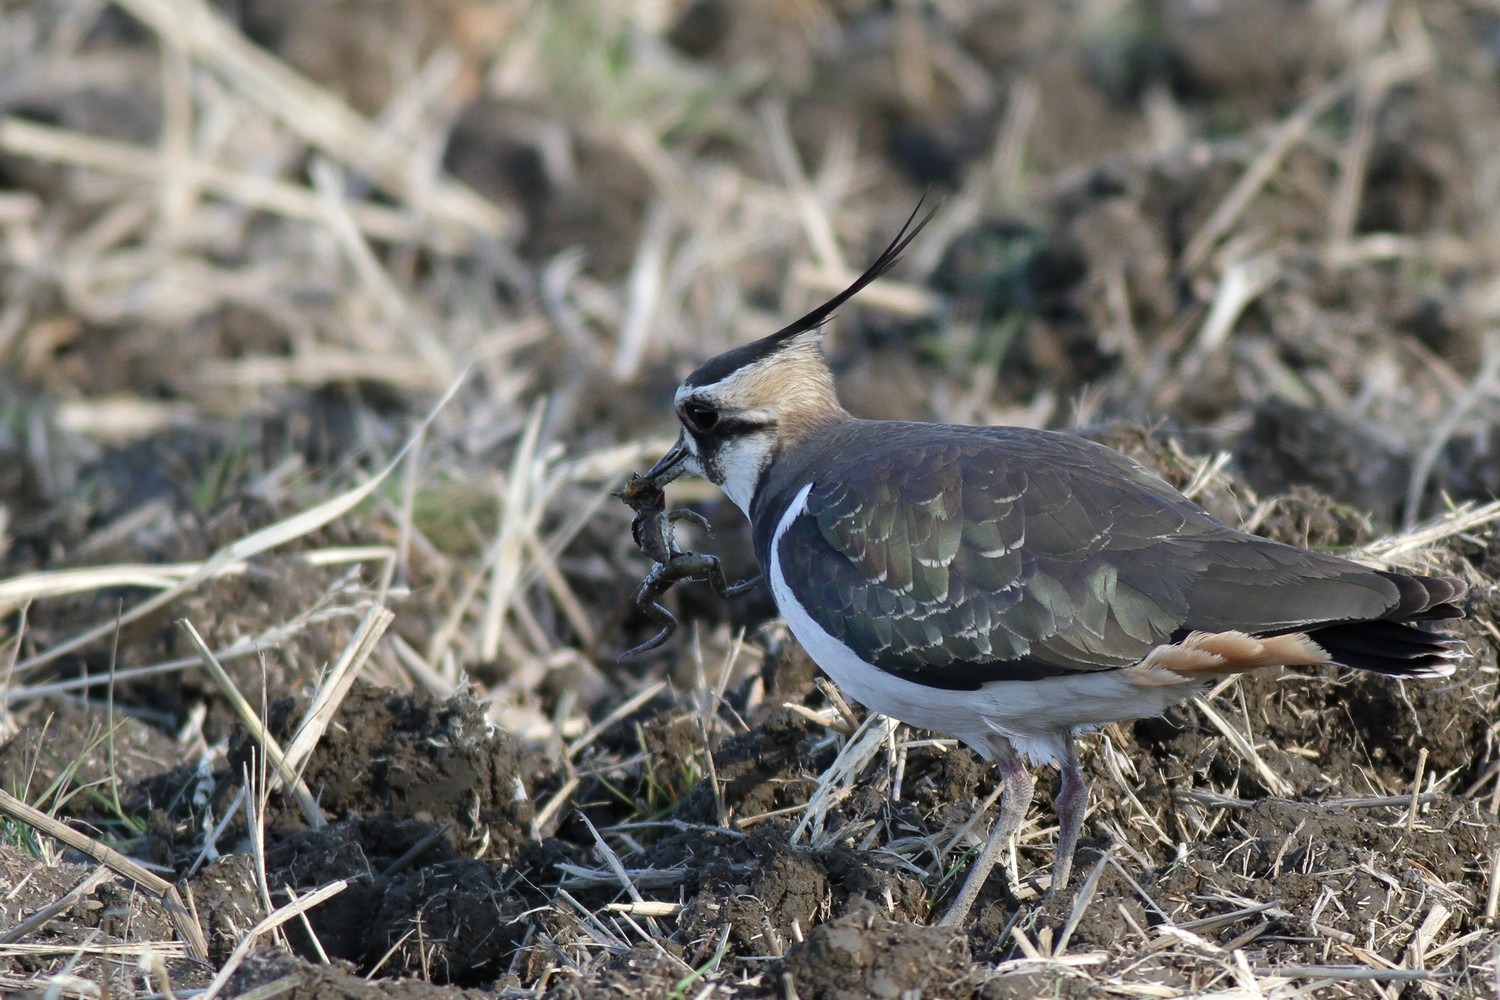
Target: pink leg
1015,799
1072,802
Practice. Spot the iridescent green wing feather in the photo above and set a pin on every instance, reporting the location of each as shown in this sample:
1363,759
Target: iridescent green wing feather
991,554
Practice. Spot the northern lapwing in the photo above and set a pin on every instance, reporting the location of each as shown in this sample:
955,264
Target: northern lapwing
1014,587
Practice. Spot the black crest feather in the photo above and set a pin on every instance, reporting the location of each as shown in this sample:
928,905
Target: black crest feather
732,361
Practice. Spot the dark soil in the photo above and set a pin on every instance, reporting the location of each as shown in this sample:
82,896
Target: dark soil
186,360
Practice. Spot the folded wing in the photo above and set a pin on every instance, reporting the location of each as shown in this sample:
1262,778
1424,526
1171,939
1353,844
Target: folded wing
1006,554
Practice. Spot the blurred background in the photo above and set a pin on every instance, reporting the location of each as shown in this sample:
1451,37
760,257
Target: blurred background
246,247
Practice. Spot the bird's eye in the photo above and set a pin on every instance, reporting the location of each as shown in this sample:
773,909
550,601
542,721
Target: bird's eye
700,417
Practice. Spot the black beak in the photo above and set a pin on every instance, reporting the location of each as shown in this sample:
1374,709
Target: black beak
669,466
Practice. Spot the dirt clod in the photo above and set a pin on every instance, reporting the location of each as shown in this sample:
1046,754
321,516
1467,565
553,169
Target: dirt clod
864,954
416,757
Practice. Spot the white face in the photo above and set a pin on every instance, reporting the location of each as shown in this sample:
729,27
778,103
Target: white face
734,464
734,426
728,447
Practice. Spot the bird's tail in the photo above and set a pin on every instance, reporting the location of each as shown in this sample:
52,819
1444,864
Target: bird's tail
1387,647
1391,645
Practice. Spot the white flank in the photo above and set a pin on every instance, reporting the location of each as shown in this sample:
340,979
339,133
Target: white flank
1035,716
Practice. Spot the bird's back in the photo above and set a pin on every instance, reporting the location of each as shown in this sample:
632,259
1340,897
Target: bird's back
955,556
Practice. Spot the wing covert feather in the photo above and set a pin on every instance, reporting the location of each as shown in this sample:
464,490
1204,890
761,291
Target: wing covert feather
999,553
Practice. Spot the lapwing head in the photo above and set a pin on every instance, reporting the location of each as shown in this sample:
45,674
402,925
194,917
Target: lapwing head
744,407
